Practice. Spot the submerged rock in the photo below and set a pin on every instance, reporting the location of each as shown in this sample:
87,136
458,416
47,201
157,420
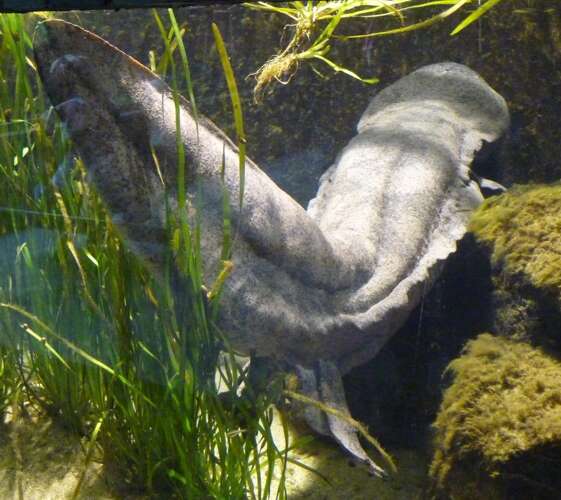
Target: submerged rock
522,231
498,432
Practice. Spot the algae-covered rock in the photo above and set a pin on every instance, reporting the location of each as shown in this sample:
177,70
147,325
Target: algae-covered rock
523,228
498,432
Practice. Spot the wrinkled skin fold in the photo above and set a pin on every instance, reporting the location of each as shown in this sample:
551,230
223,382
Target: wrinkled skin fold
321,289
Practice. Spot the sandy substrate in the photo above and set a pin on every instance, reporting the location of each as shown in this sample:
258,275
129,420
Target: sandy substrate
348,482
40,461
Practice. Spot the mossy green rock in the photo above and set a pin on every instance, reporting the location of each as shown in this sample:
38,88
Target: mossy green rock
498,432
523,229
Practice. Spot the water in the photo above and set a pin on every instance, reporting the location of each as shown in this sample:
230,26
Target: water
128,323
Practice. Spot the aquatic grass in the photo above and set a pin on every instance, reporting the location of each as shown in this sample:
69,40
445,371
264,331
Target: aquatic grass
314,25
89,335
475,15
307,17
236,103
9,378
19,162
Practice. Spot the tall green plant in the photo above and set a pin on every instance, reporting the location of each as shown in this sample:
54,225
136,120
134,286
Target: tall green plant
315,24
90,335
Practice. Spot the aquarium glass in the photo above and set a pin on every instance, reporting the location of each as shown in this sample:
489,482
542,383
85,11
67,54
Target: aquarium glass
281,250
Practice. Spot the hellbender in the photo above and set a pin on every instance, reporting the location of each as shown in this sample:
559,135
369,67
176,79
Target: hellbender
321,289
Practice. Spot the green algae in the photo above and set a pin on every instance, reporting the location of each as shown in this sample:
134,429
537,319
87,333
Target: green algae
498,431
523,229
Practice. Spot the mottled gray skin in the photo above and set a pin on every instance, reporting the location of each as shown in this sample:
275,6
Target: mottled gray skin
416,142
322,289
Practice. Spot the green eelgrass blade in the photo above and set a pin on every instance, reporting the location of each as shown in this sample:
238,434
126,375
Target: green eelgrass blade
89,453
43,341
347,418
475,15
309,469
183,232
346,71
236,103
185,62
415,26
330,28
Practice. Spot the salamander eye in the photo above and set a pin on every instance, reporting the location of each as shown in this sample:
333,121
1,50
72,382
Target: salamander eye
68,75
73,114
66,63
